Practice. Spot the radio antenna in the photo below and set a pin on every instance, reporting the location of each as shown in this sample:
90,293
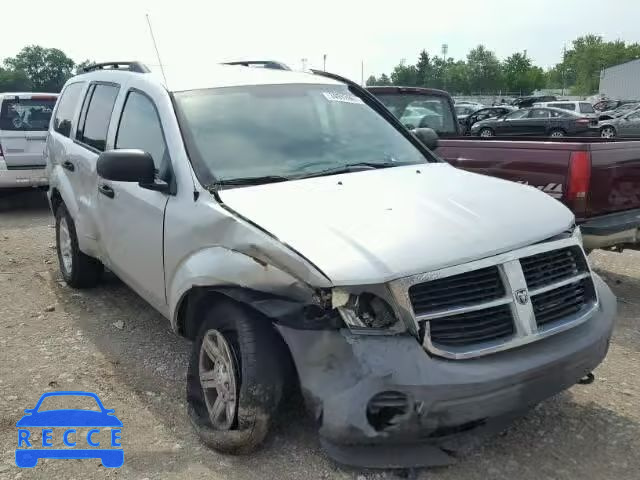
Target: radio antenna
153,38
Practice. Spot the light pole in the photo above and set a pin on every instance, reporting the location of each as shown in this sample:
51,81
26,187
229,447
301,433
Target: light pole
324,62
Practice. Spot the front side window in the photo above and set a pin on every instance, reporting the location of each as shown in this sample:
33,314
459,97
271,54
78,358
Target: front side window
437,113
96,122
518,114
564,106
67,108
287,131
26,114
140,128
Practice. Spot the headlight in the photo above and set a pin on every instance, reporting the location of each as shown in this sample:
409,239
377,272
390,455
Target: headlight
366,312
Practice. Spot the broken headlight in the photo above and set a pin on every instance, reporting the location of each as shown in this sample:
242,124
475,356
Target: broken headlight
366,312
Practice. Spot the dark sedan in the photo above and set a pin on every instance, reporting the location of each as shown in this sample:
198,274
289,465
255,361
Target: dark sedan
540,122
468,121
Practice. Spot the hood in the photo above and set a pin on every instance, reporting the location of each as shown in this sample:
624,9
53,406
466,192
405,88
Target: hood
378,225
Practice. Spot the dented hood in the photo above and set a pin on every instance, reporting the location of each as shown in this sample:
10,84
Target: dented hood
378,225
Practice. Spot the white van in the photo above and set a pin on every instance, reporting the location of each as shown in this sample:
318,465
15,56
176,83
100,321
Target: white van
24,122
584,108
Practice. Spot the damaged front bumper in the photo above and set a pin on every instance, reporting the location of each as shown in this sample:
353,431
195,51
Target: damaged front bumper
382,401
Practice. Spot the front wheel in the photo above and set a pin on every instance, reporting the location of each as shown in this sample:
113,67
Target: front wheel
236,378
486,132
607,132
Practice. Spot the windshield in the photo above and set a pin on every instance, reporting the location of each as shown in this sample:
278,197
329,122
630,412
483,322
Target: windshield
63,402
436,112
286,130
26,114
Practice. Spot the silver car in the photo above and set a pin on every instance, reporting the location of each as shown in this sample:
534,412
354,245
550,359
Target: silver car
292,228
627,125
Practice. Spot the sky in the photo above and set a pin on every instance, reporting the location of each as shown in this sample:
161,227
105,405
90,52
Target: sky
350,32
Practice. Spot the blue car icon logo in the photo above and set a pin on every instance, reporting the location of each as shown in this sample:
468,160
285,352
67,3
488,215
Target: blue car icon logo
29,452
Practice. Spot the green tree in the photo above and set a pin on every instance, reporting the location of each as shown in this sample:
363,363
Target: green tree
457,77
14,81
484,70
424,70
46,68
404,75
384,80
85,63
371,81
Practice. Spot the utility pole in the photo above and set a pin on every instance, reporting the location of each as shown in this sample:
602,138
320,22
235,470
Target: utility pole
303,62
324,62
445,50
362,73
564,58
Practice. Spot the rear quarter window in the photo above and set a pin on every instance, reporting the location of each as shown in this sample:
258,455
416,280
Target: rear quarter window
26,114
66,109
586,108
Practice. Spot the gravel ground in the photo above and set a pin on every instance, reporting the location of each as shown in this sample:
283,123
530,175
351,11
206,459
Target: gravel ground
107,340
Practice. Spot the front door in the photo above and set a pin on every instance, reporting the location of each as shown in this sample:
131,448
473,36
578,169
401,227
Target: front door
131,217
513,124
538,123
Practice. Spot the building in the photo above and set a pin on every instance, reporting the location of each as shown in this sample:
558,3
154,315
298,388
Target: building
621,82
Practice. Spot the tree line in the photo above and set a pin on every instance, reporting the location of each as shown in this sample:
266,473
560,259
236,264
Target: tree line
38,69
483,73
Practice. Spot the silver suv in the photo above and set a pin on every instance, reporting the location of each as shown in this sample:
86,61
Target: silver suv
292,228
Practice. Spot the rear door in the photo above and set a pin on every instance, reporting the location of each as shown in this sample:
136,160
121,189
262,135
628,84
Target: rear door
516,123
24,121
538,122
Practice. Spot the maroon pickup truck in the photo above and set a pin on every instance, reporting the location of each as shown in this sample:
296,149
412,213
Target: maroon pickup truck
598,179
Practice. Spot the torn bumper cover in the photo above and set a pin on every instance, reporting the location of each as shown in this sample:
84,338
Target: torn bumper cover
382,401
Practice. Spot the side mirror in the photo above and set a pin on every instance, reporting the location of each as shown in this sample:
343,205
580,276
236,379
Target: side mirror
126,166
427,136
130,165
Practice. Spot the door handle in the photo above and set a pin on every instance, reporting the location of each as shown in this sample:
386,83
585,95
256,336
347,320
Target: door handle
107,191
68,165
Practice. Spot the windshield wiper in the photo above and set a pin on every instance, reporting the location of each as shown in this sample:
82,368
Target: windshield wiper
246,181
352,167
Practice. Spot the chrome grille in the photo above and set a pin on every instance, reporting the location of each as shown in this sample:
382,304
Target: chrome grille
500,302
555,305
549,267
472,327
468,288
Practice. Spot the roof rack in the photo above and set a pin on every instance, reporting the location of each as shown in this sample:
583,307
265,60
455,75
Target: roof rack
260,63
137,67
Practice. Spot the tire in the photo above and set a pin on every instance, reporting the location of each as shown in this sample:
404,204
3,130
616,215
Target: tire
607,132
486,132
78,270
258,360
557,133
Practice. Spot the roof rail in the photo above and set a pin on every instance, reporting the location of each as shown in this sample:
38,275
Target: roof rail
137,67
260,63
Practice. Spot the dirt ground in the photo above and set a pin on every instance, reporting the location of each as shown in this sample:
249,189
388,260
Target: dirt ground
109,341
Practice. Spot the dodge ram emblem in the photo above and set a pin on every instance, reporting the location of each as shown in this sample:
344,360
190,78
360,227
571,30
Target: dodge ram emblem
522,296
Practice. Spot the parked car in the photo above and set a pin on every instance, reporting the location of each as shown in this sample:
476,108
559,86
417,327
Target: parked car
486,113
528,102
224,196
608,105
544,122
24,121
583,108
619,112
598,179
414,117
463,111
625,126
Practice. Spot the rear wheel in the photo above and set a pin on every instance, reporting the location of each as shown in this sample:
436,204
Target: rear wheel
78,270
236,378
557,134
608,132
486,132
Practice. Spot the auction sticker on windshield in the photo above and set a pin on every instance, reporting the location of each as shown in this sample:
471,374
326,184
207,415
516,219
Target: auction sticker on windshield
342,97
55,429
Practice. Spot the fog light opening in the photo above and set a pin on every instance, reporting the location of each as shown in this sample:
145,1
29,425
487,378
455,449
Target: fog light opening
385,408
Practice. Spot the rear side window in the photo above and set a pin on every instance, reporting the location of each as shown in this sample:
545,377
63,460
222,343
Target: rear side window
26,114
96,123
586,108
564,106
140,128
539,113
66,108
